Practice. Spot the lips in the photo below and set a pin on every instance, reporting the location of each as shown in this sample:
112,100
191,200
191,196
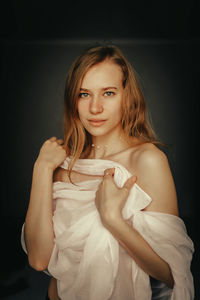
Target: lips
96,122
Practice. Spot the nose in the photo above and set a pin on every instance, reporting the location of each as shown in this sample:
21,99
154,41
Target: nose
96,106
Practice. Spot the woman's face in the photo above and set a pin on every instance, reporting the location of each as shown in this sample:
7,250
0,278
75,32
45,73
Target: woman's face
100,99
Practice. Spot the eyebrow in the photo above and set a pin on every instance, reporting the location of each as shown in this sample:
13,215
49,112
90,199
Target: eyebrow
103,89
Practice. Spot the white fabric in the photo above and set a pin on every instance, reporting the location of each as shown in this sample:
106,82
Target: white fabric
88,262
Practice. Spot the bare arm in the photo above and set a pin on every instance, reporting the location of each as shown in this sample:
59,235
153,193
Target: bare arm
154,176
141,251
39,234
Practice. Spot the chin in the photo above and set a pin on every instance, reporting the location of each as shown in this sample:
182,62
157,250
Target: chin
102,130
95,133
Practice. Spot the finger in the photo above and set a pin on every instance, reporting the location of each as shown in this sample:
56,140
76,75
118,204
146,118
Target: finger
110,172
53,139
130,182
60,141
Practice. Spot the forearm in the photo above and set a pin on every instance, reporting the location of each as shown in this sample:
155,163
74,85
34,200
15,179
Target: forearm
39,233
140,251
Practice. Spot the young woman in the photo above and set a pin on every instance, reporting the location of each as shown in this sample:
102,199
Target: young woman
100,234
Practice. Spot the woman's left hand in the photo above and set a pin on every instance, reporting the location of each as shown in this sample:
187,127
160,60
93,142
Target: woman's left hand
111,199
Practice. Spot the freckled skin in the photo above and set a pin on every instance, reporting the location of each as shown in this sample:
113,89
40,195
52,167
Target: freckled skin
101,98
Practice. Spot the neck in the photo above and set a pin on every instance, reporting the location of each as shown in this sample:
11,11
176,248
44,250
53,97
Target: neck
105,146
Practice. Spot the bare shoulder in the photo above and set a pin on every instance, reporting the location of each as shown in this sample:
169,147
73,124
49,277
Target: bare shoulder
152,169
148,154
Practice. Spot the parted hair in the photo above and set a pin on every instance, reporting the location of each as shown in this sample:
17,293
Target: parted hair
135,121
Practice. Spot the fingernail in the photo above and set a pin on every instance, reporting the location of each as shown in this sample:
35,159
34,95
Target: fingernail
110,171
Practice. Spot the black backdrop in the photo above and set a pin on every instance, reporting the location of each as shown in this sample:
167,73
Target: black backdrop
35,61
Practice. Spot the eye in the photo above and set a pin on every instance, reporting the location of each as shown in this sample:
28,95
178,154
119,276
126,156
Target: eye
83,95
109,93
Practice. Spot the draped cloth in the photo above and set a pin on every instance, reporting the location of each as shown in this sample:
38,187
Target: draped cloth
89,263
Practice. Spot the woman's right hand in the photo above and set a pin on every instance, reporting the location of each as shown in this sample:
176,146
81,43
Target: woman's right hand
52,153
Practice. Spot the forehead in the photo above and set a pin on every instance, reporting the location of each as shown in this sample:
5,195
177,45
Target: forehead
103,74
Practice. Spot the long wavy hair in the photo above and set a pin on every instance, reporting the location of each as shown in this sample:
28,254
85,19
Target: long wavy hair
135,121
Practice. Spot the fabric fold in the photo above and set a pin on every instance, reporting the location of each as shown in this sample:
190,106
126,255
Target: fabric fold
167,236
87,259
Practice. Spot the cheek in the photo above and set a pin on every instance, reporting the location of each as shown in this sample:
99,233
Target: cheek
81,108
116,111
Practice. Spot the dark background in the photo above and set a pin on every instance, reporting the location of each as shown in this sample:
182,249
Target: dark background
39,41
